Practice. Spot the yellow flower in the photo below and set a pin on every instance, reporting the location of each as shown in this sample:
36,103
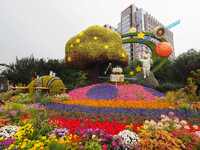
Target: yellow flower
78,40
106,46
138,69
11,147
131,73
141,35
131,30
71,45
69,59
23,145
81,33
95,38
123,55
61,141
1,138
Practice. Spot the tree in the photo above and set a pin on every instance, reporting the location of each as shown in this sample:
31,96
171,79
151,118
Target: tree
93,49
23,69
179,69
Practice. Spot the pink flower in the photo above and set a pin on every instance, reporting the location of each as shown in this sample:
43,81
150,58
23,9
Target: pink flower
187,127
104,147
197,133
171,114
195,127
125,92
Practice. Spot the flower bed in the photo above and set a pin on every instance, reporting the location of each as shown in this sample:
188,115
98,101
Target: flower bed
110,91
120,104
107,110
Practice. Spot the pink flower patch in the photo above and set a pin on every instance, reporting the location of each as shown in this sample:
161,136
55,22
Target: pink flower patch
125,92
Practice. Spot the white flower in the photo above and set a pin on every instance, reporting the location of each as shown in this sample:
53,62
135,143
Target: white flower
153,123
176,120
160,125
93,136
128,137
178,126
187,127
146,122
183,122
162,116
8,131
197,133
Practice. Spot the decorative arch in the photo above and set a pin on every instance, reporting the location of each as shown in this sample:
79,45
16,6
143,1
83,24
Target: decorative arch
150,41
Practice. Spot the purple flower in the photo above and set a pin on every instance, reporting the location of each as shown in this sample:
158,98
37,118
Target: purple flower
102,91
60,132
13,112
6,143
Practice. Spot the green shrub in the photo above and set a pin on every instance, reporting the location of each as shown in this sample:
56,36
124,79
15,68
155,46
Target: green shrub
14,106
165,87
44,100
40,123
92,145
57,146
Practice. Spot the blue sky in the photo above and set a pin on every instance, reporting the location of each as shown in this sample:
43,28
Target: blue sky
42,27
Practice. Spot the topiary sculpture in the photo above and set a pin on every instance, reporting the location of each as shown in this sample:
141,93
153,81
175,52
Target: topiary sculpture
93,49
54,84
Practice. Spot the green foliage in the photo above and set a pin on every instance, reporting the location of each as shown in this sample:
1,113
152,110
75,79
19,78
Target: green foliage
23,98
14,106
131,68
5,96
95,45
179,69
43,100
195,77
164,87
23,69
92,144
57,146
40,123
186,139
185,96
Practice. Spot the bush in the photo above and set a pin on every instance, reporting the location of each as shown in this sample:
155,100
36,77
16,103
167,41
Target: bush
165,87
179,69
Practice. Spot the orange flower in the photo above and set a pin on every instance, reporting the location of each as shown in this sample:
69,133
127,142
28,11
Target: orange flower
159,104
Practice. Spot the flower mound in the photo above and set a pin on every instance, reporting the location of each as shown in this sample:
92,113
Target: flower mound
102,91
110,91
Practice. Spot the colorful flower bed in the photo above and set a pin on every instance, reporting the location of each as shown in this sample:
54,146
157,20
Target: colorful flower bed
101,121
119,92
106,110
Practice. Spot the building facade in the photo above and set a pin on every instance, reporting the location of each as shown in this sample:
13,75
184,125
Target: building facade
133,17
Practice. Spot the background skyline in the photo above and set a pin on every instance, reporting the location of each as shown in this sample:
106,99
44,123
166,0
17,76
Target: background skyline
42,28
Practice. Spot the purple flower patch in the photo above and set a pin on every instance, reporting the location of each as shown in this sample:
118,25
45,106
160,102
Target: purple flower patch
102,91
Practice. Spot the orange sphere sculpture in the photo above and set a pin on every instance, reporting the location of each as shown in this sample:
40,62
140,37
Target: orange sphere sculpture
164,49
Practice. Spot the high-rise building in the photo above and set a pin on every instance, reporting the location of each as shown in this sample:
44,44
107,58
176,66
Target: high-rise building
133,17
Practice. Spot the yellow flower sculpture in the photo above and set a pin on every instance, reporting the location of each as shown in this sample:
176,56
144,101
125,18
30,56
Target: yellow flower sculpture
141,35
